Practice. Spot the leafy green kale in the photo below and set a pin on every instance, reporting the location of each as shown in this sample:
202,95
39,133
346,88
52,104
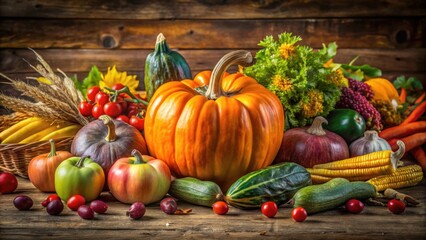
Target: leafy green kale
92,79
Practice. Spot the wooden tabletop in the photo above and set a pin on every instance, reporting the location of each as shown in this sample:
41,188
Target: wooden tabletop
373,223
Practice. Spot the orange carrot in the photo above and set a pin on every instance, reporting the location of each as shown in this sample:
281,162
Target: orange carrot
420,99
412,141
403,95
420,156
403,131
415,114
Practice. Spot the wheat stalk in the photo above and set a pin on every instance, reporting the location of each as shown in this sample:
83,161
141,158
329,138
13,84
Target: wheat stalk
59,99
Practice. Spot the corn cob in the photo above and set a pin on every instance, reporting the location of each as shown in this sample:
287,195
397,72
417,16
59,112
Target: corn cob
367,161
406,176
318,179
358,174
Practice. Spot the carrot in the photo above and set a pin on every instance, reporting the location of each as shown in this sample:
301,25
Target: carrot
403,95
420,156
403,131
420,99
412,141
415,114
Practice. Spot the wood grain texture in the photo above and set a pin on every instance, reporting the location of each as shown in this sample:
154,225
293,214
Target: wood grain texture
210,34
210,9
373,223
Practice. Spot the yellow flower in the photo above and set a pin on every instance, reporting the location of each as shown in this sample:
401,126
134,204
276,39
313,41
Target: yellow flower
286,50
113,77
281,83
314,104
337,78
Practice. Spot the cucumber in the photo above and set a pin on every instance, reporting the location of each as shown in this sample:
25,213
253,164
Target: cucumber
276,183
332,194
195,191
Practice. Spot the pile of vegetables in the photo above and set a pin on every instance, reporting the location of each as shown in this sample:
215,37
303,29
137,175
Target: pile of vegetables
292,128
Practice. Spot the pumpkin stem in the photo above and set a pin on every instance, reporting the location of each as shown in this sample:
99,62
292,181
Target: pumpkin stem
52,148
80,161
138,157
397,155
316,127
161,44
240,57
111,136
370,135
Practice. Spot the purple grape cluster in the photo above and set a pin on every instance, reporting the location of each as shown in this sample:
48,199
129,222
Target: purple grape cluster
362,88
356,101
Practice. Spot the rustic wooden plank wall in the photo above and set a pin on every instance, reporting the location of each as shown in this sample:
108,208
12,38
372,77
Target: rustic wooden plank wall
74,35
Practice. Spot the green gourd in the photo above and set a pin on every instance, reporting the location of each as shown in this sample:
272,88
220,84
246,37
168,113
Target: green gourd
164,65
276,183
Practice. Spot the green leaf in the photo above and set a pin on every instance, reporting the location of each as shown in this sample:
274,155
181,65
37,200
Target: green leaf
410,84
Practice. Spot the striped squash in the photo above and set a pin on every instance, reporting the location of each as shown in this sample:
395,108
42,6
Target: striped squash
276,183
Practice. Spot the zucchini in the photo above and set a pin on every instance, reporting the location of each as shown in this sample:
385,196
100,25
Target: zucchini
332,194
195,191
276,183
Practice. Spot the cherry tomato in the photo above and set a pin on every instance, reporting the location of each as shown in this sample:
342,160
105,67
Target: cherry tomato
85,108
112,109
354,206
75,201
123,118
102,98
299,214
123,104
91,93
137,122
97,111
396,206
8,182
50,198
132,113
269,209
220,207
117,86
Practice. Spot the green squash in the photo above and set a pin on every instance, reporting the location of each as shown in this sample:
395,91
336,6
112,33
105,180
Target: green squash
347,123
164,65
276,183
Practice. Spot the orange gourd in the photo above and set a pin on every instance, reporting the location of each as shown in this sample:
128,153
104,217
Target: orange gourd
217,133
384,90
41,169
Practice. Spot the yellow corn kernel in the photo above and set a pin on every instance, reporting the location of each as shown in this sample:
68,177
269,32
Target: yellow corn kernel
367,161
403,177
316,179
361,174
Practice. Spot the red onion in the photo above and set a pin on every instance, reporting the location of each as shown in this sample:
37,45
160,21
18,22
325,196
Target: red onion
312,145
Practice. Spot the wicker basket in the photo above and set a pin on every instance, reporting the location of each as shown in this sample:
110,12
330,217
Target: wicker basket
14,158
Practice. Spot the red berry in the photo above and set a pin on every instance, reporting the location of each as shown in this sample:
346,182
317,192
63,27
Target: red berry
396,206
220,207
299,214
75,201
269,209
354,206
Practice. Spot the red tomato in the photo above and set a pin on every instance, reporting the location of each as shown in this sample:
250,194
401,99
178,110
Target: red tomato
299,214
137,122
354,206
75,201
8,182
123,104
102,98
140,178
97,111
91,93
123,118
220,207
50,198
112,109
269,209
117,86
85,108
396,206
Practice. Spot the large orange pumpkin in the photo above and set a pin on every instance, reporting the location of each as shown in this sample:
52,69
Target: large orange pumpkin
218,133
